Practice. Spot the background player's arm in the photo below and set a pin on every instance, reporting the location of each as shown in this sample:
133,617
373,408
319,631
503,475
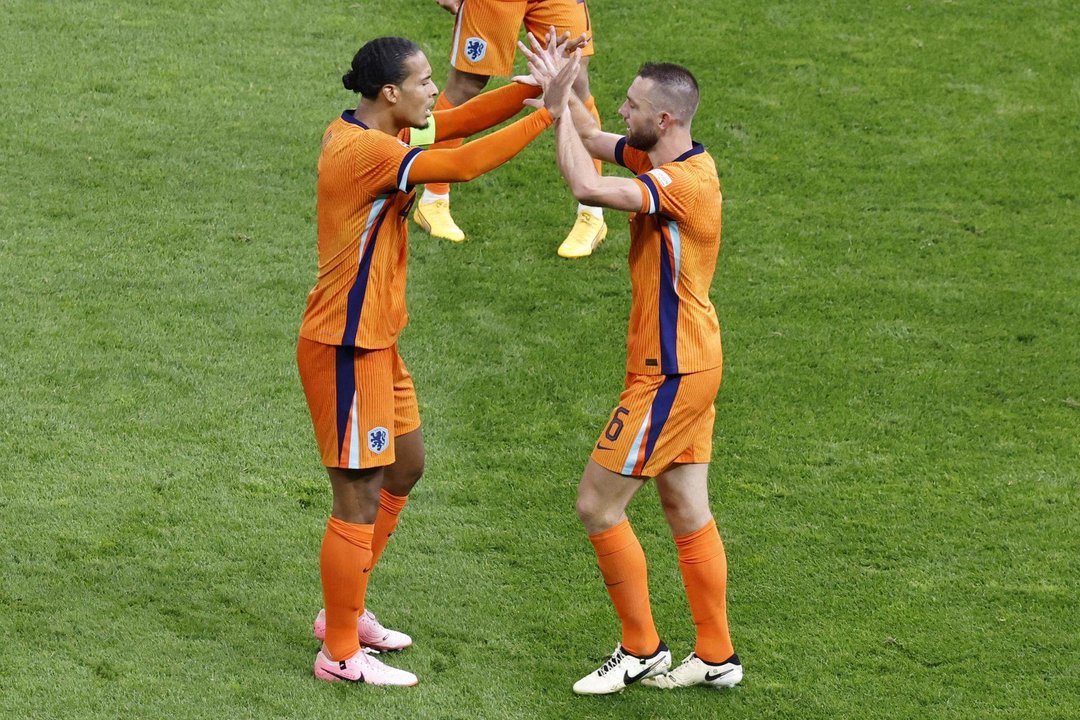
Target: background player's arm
588,187
478,157
449,5
600,144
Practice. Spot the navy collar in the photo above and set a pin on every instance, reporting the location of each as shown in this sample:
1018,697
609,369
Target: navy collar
349,117
697,149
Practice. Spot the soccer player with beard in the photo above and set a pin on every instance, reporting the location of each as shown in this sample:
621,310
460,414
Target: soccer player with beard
662,427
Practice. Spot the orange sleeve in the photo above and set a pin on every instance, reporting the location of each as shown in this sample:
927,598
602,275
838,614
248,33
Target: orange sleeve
483,111
473,159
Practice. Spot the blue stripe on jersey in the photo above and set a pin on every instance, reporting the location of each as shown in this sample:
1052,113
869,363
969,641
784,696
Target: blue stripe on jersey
669,313
403,169
345,376
619,147
661,408
355,305
696,149
654,195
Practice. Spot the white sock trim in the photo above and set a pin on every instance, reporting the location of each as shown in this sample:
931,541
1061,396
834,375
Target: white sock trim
430,197
594,211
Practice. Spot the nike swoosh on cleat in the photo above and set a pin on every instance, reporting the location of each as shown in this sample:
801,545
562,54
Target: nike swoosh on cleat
709,677
628,678
342,677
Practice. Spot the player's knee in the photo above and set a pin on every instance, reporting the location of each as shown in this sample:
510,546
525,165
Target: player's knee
404,476
595,515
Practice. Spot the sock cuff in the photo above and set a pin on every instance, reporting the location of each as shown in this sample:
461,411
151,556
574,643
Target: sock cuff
701,545
614,539
352,533
391,503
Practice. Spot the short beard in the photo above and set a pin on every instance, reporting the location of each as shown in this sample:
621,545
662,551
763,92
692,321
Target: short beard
643,141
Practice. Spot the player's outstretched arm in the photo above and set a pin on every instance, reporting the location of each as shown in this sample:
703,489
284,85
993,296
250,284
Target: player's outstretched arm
473,159
488,109
576,166
477,157
484,111
544,62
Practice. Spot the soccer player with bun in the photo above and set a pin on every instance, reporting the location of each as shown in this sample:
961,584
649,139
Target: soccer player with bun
360,394
484,35
662,427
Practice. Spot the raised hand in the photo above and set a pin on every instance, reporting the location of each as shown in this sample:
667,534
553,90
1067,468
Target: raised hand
557,46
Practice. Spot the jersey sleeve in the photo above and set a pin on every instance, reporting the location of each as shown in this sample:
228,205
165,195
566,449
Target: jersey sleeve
668,190
634,160
383,162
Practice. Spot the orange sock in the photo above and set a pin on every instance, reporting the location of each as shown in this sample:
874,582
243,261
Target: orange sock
346,552
390,506
441,103
622,563
590,105
704,569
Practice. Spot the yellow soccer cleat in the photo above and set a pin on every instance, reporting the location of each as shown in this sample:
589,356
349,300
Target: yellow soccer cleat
435,218
588,232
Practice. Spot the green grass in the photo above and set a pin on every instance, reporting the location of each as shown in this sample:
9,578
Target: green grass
896,458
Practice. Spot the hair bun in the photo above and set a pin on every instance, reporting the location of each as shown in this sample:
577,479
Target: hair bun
347,81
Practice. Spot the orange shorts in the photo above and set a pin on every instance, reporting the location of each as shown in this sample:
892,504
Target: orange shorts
661,419
360,400
486,31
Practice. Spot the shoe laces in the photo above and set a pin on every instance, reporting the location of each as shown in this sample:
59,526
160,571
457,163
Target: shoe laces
613,661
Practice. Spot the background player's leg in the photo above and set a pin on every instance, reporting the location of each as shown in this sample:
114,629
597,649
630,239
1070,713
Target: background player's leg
589,228
433,210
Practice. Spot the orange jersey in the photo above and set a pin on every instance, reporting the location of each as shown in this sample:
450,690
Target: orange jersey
365,190
362,203
674,243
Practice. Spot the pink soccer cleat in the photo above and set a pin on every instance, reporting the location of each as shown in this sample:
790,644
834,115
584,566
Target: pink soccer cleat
361,668
373,636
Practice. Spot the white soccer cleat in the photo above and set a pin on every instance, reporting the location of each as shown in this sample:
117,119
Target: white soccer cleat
695,671
373,636
622,669
361,668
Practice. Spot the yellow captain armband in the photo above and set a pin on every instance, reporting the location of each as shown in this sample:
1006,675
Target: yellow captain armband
423,137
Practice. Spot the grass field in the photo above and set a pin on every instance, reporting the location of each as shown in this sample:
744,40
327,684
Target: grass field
896,459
